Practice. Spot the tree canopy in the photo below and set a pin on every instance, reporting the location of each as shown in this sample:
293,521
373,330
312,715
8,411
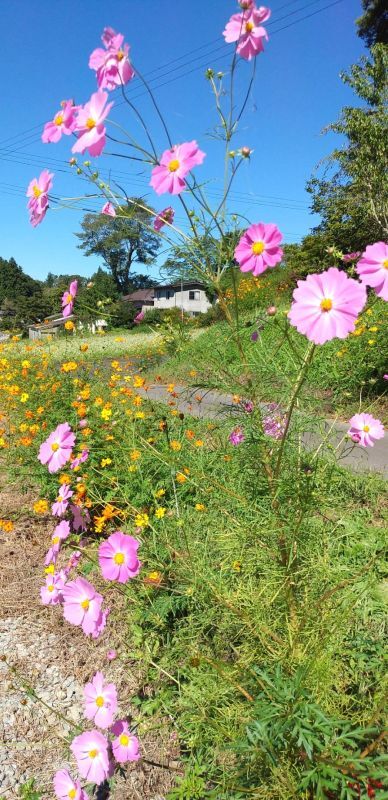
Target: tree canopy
122,241
373,24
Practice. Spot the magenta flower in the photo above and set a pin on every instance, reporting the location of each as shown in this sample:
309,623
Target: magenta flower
61,532
175,164
90,750
66,788
100,701
68,299
373,268
37,191
246,29
90,126
274,422
139,317
365,429
118,557
164,217
81,518
327,305
350,257
82,605
51,591
112,65
259,248
56,450
59,507
111,655
74,560
126,745
76,462
109,209
63,123
236,436
385,377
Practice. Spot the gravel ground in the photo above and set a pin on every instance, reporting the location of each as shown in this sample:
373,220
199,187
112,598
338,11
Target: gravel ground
56,660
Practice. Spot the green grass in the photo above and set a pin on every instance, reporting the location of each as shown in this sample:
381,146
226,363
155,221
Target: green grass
115,344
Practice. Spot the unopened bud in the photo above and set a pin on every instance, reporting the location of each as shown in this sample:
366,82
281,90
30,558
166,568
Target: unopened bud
102,185
72,161
79,171
245,152
271,311
95,176
209,74
220,75
232,153
86,163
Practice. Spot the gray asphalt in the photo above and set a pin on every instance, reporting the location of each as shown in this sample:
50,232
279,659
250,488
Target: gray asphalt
209,404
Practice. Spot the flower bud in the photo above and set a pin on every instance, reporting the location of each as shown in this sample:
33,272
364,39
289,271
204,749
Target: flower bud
246,152
271,311
232,153
72,161
86,163
209,74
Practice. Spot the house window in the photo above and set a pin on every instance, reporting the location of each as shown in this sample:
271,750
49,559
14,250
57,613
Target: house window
194,294
169,294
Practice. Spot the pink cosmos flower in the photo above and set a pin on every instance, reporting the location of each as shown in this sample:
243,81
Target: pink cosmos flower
139,317
82,605
63,123
56,450
59,507
118,557
66,788
90,126
373,268
81,518
126,745
109,209
83,423
76,462
50,592
68,299
100,701
90,750
385,377
350,257
259,248
111,655
247,30
236,436
167,215
74,560
112,65
365,429
174,165
37,191
101,623
61,532
327,305
274,422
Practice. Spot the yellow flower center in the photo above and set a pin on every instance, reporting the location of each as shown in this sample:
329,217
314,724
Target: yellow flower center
124,739
366,428
93,753
326,304
72,794
55,540
119,558
59,119
37,192
249,27
385,263
174,165
55,447
90,123
85,604
120,55
258,248
99,701
50,588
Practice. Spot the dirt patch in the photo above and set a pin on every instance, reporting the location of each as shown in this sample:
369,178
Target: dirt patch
56,660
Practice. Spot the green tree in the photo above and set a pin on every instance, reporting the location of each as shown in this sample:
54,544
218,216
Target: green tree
373,24
122,241
352,194
14,282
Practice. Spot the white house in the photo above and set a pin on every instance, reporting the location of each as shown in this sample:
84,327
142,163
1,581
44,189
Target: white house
188,296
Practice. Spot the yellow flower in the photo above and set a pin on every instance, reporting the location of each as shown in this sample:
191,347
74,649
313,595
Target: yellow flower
132,468
40,506
160,512
84,348
373,329
26,364
69,366
69,325
340,353
175,445
140,415
138,381
64,478
160,493
369,311
6,525
98,401
236,566
23,427
119,339
199,507
142,520
371,342
105,462
134,455
115,364
24,397
181,478
198,443
106,413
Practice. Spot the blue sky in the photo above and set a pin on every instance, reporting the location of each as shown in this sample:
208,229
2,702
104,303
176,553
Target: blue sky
297,92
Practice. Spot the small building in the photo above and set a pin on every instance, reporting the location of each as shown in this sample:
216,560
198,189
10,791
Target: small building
189,296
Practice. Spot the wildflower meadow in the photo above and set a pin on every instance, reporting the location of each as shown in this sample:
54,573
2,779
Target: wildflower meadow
221,574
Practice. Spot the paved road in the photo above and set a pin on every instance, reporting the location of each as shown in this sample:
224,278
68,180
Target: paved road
209,404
